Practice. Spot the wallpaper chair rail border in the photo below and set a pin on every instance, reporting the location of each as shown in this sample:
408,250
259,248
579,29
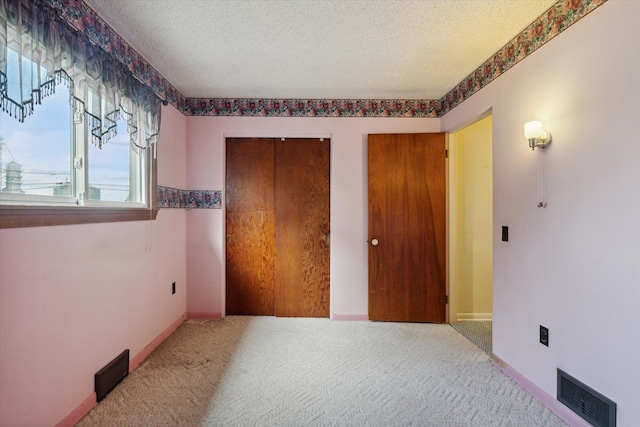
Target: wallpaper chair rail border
169,197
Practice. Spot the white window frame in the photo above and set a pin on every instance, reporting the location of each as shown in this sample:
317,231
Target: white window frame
28,210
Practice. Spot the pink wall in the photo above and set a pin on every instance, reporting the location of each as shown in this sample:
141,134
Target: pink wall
172,153
74,297
205,229
574,266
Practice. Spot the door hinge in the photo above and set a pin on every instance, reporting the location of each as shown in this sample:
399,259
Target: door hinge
446,154
447,299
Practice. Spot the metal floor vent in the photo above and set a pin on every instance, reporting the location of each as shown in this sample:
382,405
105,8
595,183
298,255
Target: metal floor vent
595,408
110,376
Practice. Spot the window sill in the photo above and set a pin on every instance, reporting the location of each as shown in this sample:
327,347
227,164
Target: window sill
30,216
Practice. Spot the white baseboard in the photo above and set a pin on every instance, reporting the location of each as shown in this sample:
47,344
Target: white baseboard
465,317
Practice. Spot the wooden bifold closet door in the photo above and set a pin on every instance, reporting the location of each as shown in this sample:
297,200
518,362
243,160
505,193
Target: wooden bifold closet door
277,227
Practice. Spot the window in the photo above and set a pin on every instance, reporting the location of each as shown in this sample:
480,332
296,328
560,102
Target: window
46,180
76,128
43,162
35,155
48,161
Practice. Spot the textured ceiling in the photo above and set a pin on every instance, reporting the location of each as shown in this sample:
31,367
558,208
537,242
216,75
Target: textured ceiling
317,48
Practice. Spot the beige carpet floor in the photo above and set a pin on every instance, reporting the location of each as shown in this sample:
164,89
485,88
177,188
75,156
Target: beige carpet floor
267,371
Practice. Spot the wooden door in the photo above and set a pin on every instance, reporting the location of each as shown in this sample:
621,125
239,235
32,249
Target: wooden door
277,222
302,228
250,226
407,276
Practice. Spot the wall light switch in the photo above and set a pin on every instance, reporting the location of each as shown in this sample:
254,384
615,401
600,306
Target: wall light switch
505,233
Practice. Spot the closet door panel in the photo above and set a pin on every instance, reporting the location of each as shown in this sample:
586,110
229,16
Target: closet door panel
250,226
302,228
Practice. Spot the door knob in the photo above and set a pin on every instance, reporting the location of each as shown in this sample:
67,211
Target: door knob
374,242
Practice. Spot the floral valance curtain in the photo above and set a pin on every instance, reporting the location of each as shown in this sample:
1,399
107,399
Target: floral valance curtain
39,51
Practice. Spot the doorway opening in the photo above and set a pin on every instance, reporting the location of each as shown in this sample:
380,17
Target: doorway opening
471,232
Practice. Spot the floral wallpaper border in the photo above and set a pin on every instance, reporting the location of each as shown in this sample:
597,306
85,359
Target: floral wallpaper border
311,107
556,19
83,18
189,199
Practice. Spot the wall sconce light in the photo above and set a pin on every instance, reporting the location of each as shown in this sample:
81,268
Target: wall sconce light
536,136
